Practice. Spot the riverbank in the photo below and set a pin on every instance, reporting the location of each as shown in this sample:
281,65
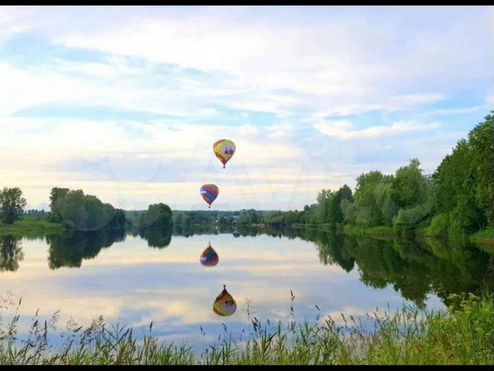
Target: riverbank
464,334
30,227
484,239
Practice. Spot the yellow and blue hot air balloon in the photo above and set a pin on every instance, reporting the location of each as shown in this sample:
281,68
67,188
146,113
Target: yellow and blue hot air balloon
224,305
224,150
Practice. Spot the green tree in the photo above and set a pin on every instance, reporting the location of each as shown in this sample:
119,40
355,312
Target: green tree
56,194
463,183
335,211
481,139
82,212
118,220
368,212
349,211
157,216
385,203
11,204
409,185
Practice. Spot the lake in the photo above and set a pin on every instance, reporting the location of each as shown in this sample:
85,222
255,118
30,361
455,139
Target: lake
133,278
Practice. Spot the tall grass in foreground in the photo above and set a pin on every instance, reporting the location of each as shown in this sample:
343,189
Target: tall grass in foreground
462,335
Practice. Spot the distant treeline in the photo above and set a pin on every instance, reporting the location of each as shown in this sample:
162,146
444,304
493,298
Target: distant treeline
202,217
78,211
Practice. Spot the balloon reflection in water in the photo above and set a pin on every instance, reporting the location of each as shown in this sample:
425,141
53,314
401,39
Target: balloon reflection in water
224,305
209,257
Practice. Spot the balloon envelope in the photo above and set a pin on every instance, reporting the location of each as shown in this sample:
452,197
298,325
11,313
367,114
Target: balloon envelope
209,257
224,305
209,192
224,150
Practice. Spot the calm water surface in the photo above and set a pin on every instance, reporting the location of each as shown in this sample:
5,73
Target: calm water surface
136,278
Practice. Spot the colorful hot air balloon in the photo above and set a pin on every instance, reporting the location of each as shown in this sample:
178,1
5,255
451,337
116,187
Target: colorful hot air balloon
209,192
224,305
224,150
209,257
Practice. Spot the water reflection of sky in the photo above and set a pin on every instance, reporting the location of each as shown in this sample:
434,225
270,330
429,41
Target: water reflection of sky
133,284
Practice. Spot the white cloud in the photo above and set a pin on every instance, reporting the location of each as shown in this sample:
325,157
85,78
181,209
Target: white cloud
343,129
324,58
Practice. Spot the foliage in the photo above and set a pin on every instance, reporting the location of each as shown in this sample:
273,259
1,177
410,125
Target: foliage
11,205
78,211
30,226
156,216
463,181
75,210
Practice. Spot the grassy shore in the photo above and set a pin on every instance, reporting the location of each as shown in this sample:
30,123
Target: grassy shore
464,334
30,226
380,231
484,239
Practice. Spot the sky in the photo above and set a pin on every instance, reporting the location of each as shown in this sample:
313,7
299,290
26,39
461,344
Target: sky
126,102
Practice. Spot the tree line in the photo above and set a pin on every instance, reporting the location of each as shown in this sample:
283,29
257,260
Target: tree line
456,199
86,212
78,211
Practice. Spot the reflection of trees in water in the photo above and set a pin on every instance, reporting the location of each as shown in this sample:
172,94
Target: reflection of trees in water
10,253
415,268
187,230
68,249
155,237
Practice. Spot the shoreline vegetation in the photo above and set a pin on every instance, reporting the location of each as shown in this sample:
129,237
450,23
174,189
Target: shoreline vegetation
460,335
31,227
36,227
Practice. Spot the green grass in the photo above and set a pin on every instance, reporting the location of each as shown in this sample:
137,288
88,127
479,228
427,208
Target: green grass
462,335
380,230
30,226
484,238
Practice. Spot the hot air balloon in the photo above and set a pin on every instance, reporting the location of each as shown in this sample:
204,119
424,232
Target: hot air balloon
209,192
209,257
224,150
236,233
224,305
